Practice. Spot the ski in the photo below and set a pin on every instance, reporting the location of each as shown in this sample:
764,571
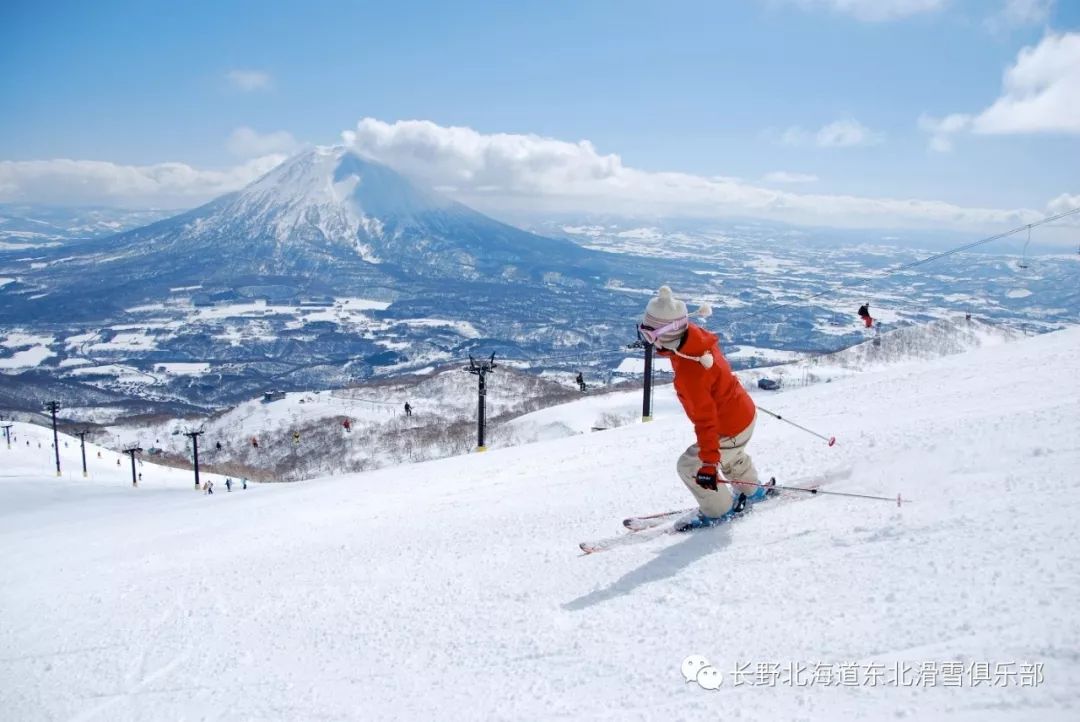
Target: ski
640,523
651,526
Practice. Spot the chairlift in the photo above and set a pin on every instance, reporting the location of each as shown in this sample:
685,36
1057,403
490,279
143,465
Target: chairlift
1023,257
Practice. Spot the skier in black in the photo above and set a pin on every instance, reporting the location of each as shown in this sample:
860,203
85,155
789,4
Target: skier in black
228,483
580,382
408,409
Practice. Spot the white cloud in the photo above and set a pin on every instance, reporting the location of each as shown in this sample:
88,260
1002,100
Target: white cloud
249,80
1040,94
1041,91
1020,13
942,129
532,173
843,133
89,182
783,176
1064,202
875,11
245,142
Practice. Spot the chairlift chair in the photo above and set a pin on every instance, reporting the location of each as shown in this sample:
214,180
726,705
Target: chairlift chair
1023,257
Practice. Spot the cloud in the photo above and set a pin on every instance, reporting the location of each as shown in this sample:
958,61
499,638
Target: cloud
1065,202
843,133
531,173
783,176
89,182
247,143
249,80
942,129
875,11
1040,94
1020,13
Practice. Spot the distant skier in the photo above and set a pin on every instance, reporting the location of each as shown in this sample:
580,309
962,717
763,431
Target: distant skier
712,397
296,438
864,314
408,409
228,483
254,442
580,382
243,483
209,486
347,425
219,446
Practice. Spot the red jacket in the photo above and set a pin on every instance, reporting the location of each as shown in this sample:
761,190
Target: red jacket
713,398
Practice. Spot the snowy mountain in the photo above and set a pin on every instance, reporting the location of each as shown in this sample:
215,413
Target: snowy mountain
329,268
326,222
453,589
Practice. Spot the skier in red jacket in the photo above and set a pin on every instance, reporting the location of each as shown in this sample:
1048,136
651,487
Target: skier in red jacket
722,412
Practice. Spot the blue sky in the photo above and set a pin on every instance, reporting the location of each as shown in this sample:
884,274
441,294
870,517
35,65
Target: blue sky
830,97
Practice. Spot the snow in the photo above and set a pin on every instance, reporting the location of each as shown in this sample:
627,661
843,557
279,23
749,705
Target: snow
635,365
453,589
1018,293
20,339
5,281
27,358
183,369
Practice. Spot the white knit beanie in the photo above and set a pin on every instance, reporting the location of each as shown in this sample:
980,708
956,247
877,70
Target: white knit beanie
662,310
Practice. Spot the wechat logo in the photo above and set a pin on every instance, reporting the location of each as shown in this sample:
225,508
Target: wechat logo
696,668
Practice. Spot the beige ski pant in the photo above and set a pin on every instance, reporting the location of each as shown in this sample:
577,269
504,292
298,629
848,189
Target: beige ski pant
735,463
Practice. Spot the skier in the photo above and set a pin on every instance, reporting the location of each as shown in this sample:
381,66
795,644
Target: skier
243,483
722,412
228,483
864,314
254,442
408,409
580,382
219,446
209,486
296,438
347,425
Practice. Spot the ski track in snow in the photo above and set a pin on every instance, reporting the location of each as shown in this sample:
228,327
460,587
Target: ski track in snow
454,589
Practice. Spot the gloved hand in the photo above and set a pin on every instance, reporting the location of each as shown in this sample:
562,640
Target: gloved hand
706,478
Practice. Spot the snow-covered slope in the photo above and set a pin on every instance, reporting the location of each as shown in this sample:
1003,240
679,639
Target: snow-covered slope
882,349
453,589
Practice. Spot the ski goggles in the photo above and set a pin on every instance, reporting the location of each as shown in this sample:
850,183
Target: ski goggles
650,335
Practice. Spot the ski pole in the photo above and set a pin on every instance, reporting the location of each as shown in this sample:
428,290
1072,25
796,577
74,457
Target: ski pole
811,490
830,439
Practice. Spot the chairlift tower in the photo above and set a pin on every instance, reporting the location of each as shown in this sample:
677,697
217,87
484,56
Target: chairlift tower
481,370
82,446
647,389
52,407
194,436
131,451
